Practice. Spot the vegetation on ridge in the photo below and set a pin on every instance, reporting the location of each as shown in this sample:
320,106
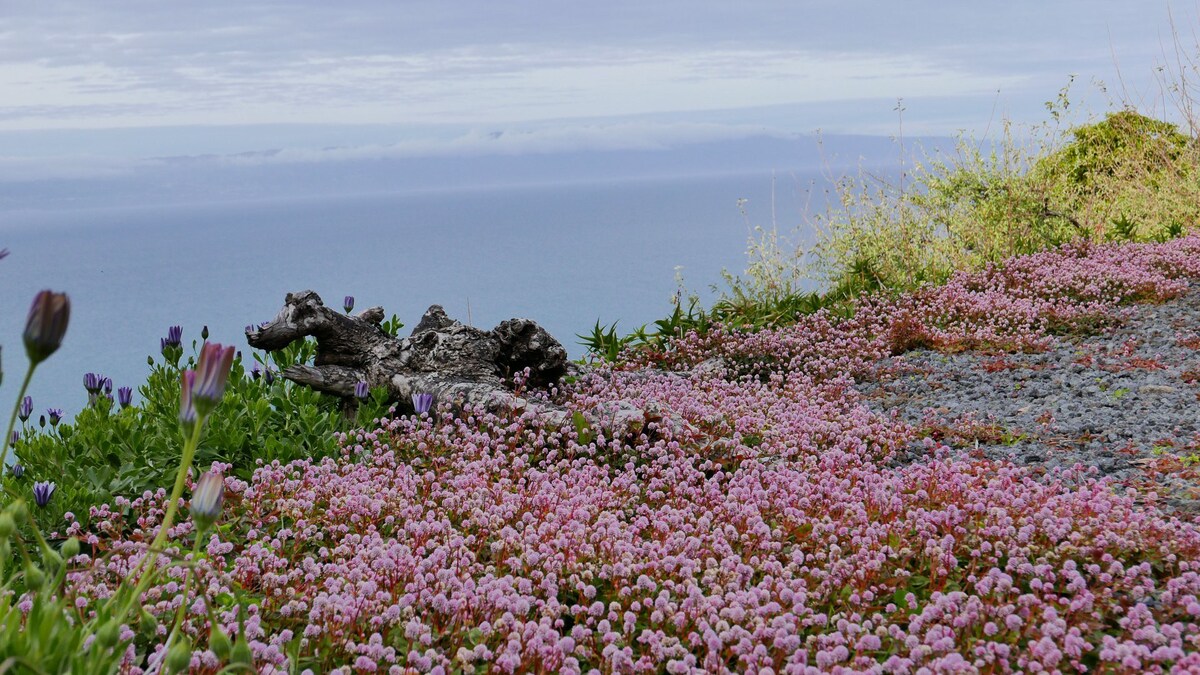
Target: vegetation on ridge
769,530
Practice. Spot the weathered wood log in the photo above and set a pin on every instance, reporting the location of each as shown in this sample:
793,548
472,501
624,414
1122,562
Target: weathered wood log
458,364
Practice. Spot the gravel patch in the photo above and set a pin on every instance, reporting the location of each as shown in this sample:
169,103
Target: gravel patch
1126,401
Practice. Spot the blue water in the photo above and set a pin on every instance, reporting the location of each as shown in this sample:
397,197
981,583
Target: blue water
564,256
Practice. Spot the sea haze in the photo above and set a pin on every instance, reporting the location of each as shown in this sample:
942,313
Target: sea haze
599,247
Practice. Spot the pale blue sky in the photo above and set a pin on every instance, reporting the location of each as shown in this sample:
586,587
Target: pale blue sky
445,76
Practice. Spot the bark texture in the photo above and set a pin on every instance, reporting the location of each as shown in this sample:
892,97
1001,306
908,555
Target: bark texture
459,364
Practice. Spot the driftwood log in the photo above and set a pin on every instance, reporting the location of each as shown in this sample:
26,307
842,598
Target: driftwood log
458,364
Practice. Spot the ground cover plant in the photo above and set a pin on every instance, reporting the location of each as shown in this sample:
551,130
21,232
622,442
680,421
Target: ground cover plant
231,522
769,531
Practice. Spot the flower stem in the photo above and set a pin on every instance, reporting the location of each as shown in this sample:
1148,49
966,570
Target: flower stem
146,566
187,583
12,420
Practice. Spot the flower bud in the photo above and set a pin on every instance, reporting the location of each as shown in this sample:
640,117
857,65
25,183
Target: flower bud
108,634
174,337
7,525
46,325
241,656
147,623
218,642
179,658
212,373
187,409
70,548
422,402
18,510
207,497
34,578
51,560
42,492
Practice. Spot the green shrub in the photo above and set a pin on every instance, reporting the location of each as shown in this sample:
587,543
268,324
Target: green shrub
1126,177
110,451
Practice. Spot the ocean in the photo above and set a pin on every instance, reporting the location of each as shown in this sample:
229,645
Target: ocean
563,255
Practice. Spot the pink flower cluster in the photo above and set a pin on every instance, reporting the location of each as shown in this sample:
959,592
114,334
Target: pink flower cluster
1013,306
771,534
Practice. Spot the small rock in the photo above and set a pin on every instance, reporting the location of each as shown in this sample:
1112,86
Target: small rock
1156,389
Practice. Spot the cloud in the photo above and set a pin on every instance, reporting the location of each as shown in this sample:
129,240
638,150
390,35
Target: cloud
33,169
76,64
561,138
467,143
497,84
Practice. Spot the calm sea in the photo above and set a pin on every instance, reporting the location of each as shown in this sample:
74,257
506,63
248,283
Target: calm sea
564,256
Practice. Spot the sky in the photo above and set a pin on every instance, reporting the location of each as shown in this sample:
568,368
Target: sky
131,78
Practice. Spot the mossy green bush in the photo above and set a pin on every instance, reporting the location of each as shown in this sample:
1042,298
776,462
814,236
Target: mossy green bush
1127,177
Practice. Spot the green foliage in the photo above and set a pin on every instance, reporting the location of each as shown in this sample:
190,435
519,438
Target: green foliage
583,429
46,639
107,451
42,628
950,212
51,635
392,326
736,309
604,342
1127,177
775,289
744,313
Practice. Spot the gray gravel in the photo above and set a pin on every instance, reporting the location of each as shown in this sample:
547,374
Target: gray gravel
1124,402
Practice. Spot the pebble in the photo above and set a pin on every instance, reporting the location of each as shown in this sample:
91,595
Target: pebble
1103,401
